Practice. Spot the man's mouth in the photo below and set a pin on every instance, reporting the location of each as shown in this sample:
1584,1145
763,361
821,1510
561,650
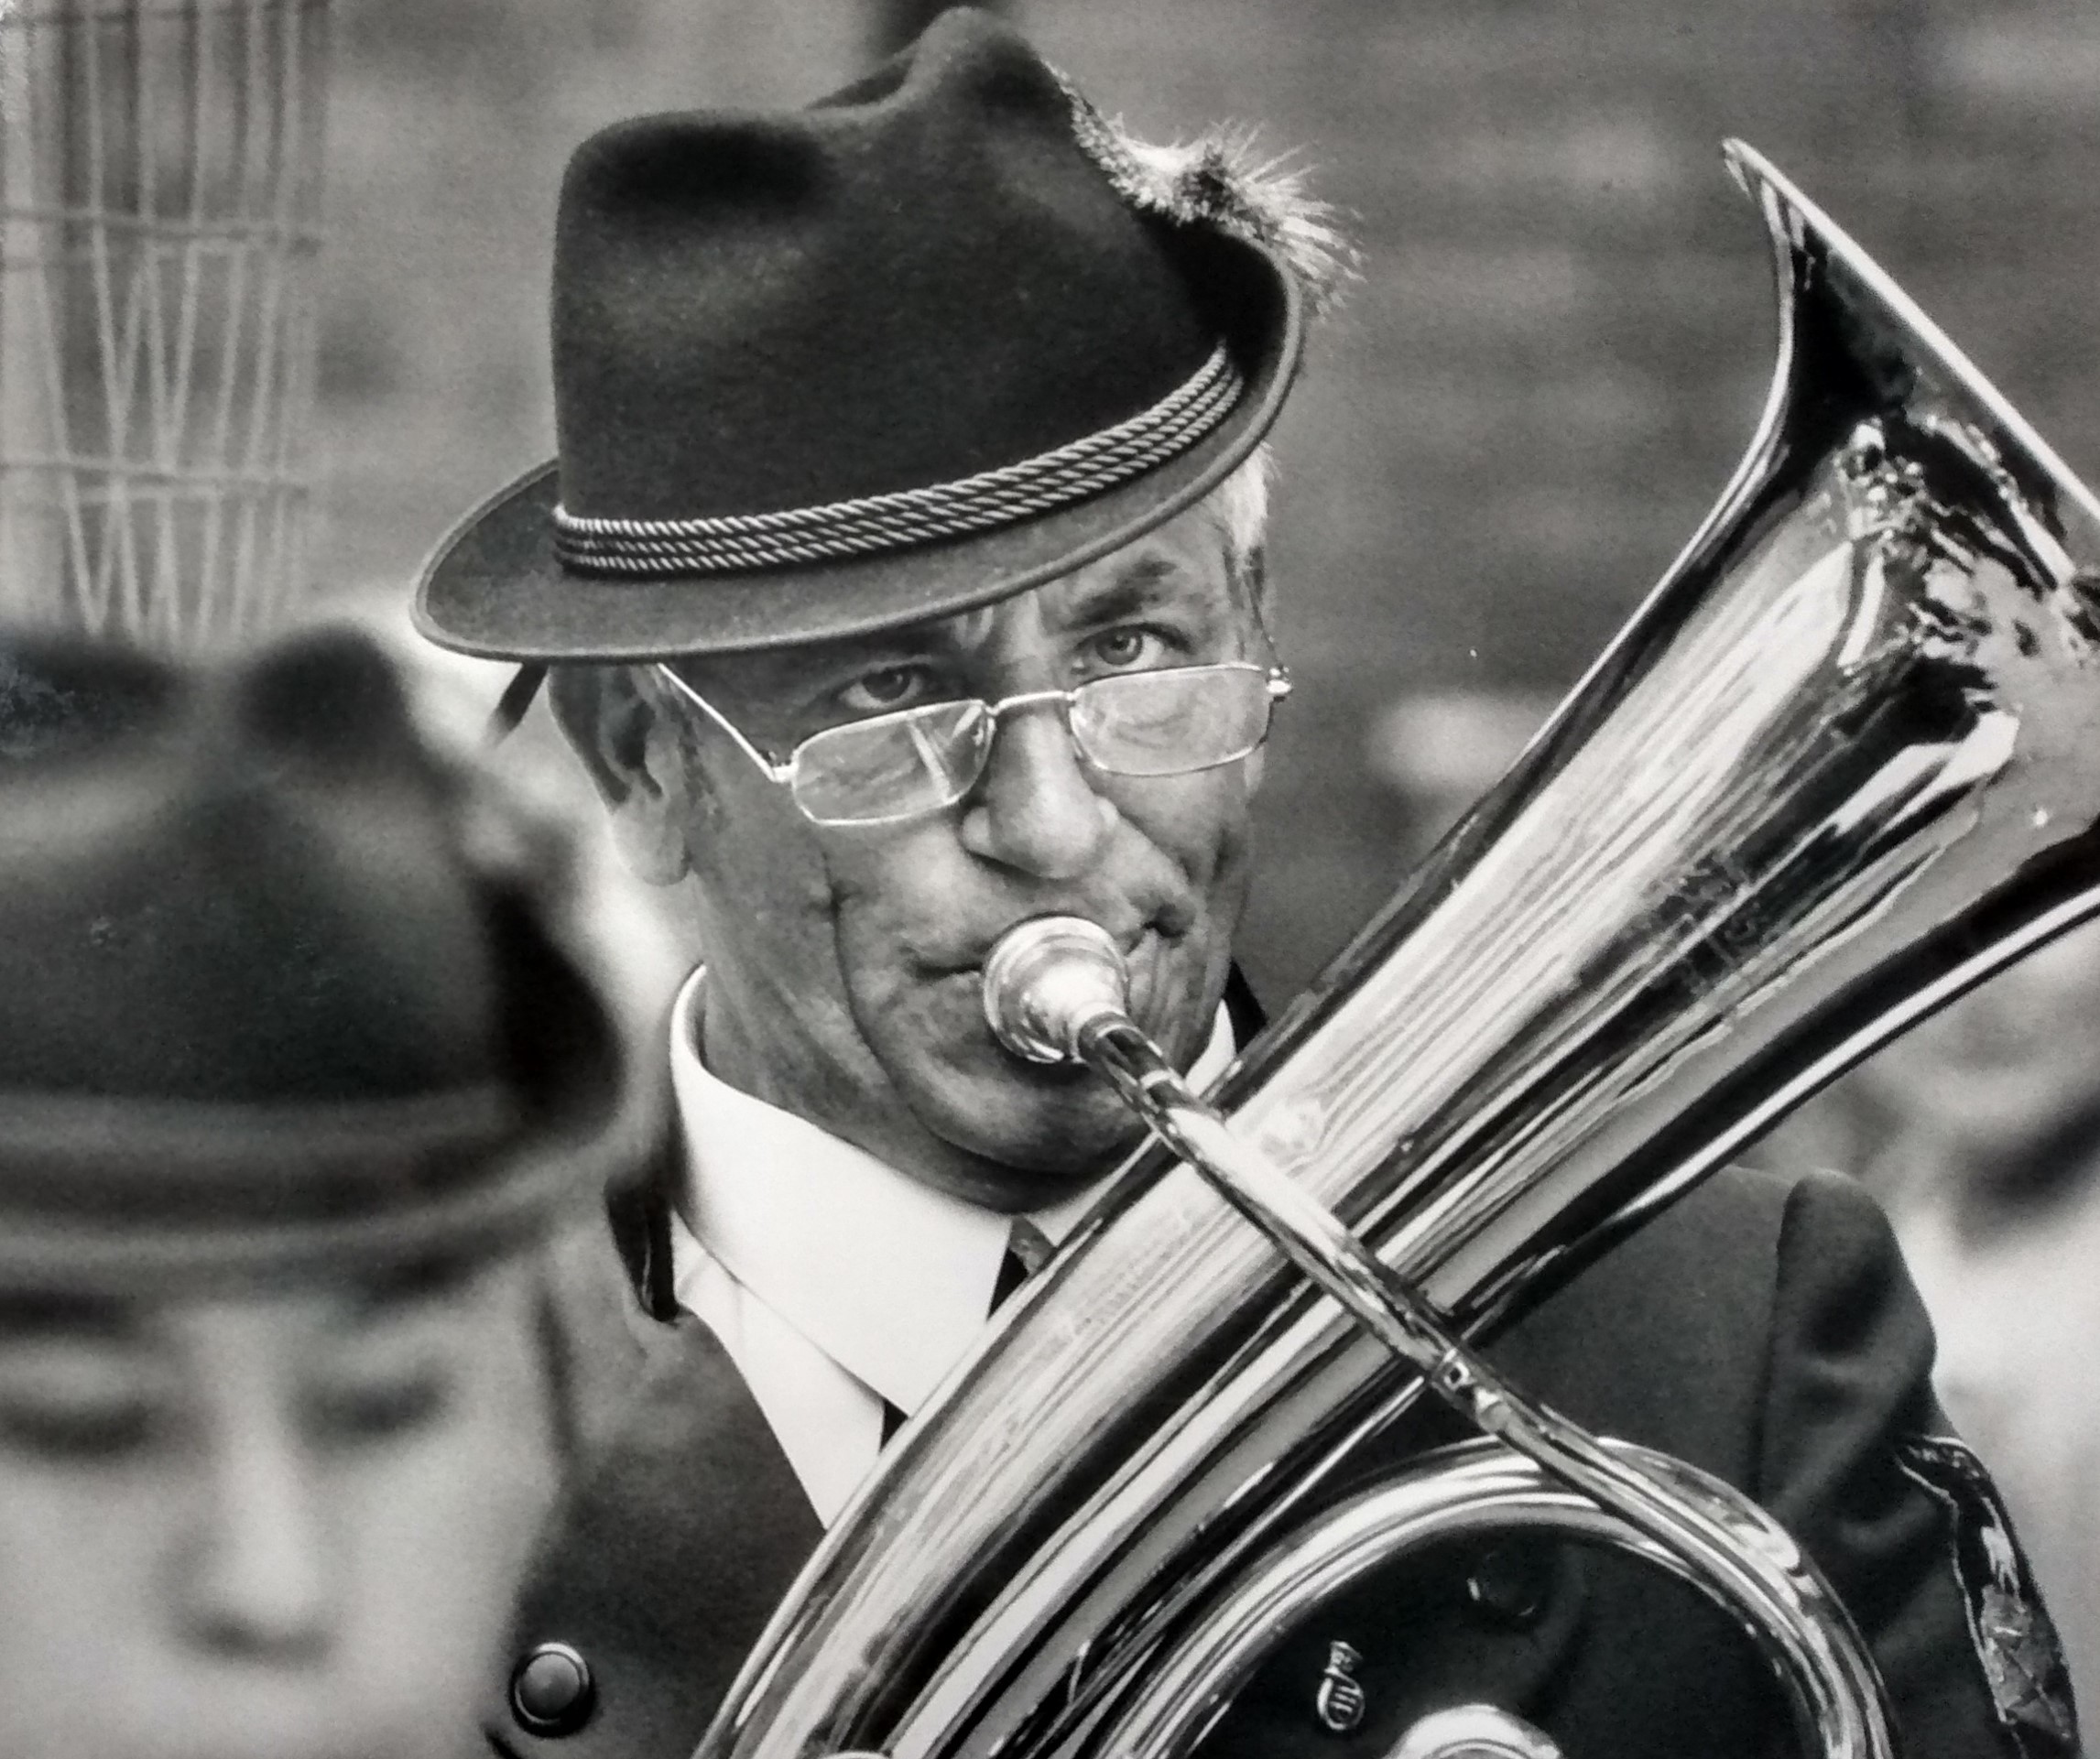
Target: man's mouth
1145,949
1133,938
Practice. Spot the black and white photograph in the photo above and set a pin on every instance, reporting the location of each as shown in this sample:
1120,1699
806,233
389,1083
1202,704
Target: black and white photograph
1200,879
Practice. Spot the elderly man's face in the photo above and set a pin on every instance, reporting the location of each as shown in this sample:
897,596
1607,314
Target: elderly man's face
844,962
285,1525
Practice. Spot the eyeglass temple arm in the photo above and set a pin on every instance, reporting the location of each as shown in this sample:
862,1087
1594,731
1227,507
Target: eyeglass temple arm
781,773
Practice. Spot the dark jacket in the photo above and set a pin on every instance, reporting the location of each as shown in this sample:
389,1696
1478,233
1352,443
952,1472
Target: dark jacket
1765,1329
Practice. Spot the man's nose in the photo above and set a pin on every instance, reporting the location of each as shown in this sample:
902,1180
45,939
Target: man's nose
255,1566
1034,809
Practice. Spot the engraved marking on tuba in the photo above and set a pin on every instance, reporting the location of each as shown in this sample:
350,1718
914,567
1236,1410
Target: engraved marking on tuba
1340,1703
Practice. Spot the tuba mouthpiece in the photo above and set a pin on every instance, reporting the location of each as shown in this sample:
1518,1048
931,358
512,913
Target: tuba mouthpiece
1046,979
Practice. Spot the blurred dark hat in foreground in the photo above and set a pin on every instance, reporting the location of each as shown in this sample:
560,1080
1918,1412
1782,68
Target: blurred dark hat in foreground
941,336
266,1004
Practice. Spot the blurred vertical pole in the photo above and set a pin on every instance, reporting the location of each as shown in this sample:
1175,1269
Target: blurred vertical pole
159,212
892,24
32,511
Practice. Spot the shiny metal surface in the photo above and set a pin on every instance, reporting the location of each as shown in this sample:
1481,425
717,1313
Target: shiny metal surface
1718,1540
1339,1701
1046,979
1836,770
1473,1489
1473,1732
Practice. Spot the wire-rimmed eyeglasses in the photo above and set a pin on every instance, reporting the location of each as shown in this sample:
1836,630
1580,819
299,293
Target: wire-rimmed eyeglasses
1171,721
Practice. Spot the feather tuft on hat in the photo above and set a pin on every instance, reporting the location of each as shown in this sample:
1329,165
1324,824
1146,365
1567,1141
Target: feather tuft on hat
1222,179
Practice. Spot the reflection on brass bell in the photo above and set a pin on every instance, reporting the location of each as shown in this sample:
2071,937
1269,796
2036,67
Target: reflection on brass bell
1475,1732
1508,1582
1339,1703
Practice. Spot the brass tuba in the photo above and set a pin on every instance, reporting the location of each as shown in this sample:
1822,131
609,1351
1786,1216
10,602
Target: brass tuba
1839,767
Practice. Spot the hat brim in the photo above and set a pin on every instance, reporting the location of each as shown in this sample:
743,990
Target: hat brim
144,1197
495,588
517,1196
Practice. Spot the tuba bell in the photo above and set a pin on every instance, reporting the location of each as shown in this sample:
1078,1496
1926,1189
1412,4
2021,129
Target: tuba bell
1836,770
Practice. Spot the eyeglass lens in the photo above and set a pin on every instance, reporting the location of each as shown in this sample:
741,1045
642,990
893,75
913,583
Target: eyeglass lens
1163,723
895,765
1137,723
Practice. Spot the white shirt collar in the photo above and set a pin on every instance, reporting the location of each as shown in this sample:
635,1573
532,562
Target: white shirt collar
888,1277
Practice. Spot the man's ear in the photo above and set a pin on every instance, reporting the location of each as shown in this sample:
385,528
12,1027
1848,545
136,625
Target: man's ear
632,752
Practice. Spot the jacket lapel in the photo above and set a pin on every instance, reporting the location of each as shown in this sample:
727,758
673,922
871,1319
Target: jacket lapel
667,1557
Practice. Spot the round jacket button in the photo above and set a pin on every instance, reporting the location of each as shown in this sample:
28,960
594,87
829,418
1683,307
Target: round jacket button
1508,1584
551,1691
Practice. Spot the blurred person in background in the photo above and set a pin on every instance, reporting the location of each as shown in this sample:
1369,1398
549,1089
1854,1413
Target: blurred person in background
902,576
301,1067
640,957
1980,1131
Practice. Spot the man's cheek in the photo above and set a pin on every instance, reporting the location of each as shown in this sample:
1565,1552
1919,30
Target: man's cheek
1200,822
923,1020
764,872
901,898
902,1000
1206,830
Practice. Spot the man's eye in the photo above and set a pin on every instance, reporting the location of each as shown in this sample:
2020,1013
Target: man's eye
85,1433
376,1410
1129,649
894,687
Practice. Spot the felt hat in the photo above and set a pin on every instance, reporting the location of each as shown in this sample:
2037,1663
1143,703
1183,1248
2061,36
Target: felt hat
942,336
278,994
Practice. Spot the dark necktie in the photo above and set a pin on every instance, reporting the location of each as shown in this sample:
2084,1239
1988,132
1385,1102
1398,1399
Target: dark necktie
1013,1273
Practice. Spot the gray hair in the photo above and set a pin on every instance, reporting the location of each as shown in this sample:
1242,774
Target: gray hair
1238,507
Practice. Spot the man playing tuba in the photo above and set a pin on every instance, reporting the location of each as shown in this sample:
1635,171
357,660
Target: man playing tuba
901,579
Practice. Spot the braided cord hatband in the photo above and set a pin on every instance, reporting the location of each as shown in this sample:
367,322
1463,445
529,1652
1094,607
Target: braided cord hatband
1052,479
